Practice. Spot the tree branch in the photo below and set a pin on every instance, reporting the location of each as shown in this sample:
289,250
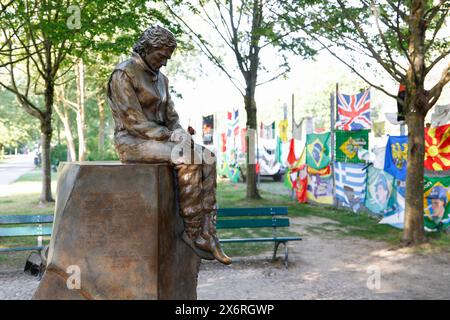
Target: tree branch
206,50
436,91
391,70
354,70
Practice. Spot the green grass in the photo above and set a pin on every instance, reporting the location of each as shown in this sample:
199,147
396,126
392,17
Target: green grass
25,200
349,224
34,176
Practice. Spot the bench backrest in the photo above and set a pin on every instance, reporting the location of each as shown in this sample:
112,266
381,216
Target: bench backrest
235,213
34,225
235,220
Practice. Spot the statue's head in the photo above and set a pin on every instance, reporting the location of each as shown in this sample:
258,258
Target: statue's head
155,46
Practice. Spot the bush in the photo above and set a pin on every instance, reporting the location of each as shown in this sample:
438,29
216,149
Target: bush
109,154
58,154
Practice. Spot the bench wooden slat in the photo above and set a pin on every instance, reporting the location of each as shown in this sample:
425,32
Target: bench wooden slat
263,211
24,219
252,223
274,239
26,231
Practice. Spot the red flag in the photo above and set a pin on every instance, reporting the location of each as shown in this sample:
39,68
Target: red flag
243,140
291,156
302,185
224,142
402,96
437,148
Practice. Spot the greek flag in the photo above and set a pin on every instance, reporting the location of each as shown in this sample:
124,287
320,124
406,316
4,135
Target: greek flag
350,184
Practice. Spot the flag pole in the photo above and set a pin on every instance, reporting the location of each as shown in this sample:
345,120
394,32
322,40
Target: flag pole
293,122
333,100
293,117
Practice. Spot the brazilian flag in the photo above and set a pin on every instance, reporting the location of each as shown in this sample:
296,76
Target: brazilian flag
348,143
318,150
436,203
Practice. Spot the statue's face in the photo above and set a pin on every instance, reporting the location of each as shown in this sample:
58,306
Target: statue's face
158,57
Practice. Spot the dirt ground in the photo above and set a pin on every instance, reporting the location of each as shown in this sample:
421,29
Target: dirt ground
322,266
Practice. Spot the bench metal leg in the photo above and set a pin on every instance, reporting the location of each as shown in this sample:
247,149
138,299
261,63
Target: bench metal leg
286,252
286,255
40,267
275,249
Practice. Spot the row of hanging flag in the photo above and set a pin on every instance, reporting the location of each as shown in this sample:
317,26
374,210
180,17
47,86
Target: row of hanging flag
377,186
353,119
372,182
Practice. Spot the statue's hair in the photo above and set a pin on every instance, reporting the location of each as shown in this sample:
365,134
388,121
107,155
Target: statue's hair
154,37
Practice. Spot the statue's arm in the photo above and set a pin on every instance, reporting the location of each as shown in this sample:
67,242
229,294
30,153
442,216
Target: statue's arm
126,107
173,119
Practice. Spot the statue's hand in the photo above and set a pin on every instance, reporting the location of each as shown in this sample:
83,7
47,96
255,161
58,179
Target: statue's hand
179,135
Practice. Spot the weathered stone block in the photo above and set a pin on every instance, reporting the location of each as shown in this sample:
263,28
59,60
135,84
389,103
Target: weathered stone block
119,225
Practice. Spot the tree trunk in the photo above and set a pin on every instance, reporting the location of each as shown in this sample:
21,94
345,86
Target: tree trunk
250,108
72,155
46,137
65,119
81,111
101,119
416,109
413,232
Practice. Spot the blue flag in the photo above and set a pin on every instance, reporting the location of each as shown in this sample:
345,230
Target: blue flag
396,155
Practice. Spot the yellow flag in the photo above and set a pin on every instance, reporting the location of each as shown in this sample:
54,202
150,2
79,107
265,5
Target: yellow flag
283,127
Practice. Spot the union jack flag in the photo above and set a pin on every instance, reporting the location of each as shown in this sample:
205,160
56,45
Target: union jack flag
354,111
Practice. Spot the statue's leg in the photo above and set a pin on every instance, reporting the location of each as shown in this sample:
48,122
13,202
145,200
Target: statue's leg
191,207
133,149
209,240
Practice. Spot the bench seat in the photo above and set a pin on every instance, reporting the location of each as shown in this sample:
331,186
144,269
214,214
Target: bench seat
268,239
35,248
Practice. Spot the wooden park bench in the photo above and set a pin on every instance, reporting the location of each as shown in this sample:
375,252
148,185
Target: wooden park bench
267,217
25,226
228,218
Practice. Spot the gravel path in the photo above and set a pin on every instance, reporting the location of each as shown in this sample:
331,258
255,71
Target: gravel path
328,267
322,266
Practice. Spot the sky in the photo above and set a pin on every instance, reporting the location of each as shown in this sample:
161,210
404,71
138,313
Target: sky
212,92
311,82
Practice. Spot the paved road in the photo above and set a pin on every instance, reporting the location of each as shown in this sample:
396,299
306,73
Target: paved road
12,168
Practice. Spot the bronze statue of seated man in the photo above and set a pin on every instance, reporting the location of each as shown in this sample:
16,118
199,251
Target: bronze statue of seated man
147,130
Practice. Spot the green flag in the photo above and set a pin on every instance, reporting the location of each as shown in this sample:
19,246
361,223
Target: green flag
318,150
348,143
436,203
279,150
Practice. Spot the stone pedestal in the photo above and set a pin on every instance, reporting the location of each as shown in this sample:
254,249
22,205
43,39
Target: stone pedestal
119,226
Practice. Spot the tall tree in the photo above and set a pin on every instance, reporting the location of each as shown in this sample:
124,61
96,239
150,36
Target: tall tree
405,38
62,109
245,29
39,36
